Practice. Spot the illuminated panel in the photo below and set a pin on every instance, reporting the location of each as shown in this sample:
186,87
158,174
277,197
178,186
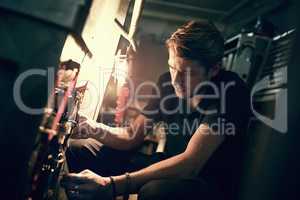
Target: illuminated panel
102,37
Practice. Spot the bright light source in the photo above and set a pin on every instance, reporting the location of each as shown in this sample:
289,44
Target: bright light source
102,37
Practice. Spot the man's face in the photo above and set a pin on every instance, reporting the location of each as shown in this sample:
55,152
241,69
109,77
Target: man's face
186,74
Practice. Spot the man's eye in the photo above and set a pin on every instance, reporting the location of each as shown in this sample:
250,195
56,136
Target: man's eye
172,69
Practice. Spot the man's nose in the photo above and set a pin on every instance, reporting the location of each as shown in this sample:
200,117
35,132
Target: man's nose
178,77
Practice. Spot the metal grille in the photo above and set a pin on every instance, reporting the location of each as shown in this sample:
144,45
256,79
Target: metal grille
277,61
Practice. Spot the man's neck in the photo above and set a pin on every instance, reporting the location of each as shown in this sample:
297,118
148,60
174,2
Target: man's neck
194,101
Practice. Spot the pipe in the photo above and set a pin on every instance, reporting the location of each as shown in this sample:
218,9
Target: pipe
235,9
136,16
186,7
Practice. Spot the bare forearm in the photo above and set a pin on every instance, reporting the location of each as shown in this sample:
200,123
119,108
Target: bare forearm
117,138
177,166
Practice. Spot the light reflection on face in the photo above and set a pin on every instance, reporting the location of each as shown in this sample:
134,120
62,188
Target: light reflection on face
186,75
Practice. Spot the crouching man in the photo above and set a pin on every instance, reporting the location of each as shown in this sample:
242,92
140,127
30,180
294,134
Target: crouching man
206,111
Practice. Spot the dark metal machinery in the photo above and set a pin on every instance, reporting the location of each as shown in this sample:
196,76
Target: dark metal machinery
48,160
269,145
267,137
32,35
245,54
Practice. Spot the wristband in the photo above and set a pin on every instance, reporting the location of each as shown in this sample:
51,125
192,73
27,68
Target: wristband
127,187
112,182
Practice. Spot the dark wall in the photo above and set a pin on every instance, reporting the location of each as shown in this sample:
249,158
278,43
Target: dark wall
278,12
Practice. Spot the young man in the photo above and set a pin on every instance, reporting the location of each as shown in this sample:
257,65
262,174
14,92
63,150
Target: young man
206,110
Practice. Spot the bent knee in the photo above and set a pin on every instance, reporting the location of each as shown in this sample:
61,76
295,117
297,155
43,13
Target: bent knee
153,190
175,189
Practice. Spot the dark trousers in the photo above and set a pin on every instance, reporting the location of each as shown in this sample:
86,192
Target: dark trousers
91,154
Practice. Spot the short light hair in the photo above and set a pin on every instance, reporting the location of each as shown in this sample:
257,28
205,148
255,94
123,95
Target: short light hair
200,41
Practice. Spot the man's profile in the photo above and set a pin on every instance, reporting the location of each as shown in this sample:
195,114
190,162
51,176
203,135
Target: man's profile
206,109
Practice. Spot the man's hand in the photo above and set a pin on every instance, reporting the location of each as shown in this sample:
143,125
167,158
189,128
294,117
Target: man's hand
87,185
115,137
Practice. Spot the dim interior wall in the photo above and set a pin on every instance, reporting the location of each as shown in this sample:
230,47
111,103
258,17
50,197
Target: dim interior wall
152,34
153,56
290,182
32,46
268,166
158,29
153,59
152,53
277,11
150,64
280,14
